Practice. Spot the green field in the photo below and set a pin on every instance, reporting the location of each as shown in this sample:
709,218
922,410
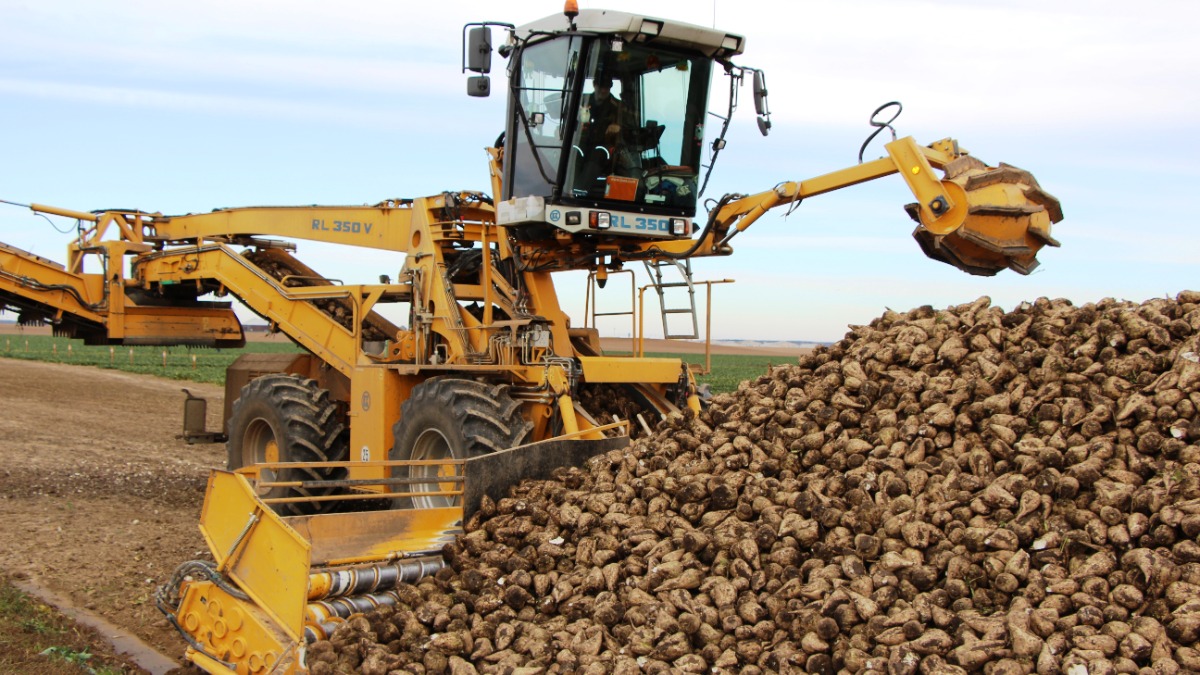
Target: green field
178,363
208,365
730,369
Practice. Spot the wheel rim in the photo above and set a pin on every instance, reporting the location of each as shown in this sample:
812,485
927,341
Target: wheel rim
432,445
259,445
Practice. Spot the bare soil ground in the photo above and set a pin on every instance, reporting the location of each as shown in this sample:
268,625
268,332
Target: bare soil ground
99,498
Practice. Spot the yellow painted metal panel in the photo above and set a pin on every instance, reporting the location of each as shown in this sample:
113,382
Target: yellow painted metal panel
621,369
925,185
386,227
233,636
266,558
182,325
375,396
31,276
343,538
300,319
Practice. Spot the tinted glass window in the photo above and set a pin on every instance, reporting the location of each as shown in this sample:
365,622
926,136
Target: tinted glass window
640,127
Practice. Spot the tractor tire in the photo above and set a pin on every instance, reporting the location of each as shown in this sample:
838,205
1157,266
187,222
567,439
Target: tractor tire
448,418
287,418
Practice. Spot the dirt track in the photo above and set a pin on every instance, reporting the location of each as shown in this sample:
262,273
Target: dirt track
99,500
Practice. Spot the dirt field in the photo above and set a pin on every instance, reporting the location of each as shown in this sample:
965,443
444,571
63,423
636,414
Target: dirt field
99,499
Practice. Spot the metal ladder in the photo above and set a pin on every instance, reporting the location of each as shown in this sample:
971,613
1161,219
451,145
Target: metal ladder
591,316
655,269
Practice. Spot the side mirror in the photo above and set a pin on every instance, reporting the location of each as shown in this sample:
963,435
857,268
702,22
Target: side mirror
479,86
760,92
479,49
760,102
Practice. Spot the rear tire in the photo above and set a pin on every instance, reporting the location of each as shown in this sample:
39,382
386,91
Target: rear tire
287,418
448,418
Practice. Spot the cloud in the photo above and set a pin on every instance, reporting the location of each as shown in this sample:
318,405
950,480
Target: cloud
1034,65
191,102
956,66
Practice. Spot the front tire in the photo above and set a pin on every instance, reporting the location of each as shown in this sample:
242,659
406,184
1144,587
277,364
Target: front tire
287,418
447,418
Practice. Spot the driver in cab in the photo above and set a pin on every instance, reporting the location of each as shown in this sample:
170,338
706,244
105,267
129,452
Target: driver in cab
603,133
602,115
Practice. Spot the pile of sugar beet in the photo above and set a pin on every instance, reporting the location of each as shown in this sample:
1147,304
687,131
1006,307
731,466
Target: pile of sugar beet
964,490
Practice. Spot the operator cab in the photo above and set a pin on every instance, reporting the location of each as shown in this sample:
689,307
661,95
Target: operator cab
605,127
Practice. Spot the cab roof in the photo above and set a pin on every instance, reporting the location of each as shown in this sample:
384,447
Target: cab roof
639,28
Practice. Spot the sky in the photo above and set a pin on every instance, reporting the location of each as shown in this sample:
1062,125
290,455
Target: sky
184,107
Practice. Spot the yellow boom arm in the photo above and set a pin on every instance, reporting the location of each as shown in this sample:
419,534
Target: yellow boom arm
977,218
